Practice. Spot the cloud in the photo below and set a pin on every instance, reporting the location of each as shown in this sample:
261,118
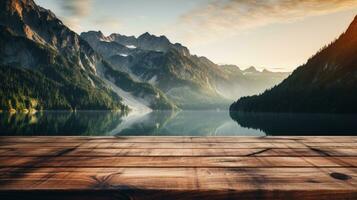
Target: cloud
77,8
224,18
107,24
74,12
73,23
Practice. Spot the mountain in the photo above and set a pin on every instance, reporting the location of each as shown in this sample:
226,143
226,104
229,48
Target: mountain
190,81
45,65
327,83
251,70
249,81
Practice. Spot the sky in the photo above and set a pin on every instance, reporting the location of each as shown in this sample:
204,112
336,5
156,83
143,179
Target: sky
278,35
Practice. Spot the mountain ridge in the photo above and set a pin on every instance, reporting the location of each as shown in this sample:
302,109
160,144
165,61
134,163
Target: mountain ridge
185,78
94,71
326,83
35,40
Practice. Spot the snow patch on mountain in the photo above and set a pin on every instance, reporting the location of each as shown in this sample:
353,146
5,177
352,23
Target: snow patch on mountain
131,46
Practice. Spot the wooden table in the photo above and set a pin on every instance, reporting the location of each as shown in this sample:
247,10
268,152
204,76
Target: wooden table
178,168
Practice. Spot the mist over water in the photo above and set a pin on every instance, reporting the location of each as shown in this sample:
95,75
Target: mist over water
184,123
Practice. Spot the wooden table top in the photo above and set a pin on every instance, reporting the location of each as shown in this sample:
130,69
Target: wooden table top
178,168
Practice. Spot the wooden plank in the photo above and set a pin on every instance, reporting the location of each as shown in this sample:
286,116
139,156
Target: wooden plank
261,152
298,139
178,178
143,194
144,139
172,145
191,168
254,162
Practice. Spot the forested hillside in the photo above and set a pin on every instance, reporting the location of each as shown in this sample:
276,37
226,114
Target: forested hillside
327,83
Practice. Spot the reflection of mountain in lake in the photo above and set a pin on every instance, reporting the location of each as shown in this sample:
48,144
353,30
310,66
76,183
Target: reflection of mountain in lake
143,124
59,123
192,123
298,124
185,123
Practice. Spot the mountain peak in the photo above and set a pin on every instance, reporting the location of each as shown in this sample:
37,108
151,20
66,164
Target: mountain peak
353,25
16,6
98,33
266,71
149,36
28,2
113,35
145,35
251,69
93,36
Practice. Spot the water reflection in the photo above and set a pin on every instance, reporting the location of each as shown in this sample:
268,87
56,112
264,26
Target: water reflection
298,124
193,123
184,123
59,123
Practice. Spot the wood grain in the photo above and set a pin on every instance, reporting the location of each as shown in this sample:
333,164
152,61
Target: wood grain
177,139
172,145
132,152
178,168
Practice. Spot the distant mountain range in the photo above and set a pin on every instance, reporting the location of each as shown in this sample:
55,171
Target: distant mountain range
45,65
190,81
326,83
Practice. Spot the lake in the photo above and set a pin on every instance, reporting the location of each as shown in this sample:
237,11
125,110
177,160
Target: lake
183,123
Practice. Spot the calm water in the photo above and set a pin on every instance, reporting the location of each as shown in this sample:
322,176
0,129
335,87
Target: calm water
192,123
